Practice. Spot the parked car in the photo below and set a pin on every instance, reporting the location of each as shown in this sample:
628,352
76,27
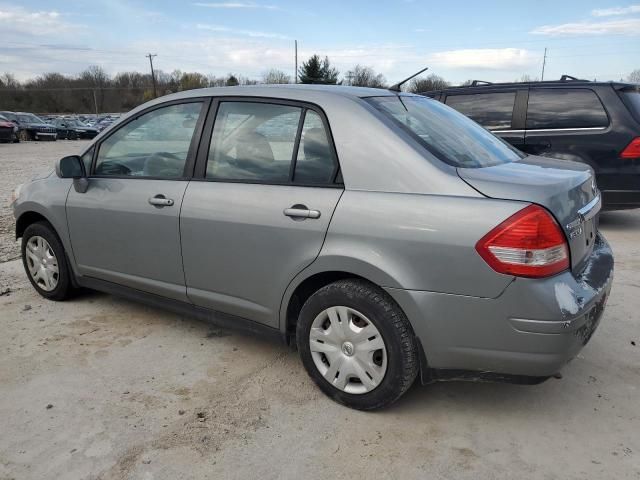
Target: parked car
8,130
82,130
75,128
385,234
30,127
64,130
596,123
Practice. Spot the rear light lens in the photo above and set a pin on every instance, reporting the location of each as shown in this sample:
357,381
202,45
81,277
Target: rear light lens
530,243
632,150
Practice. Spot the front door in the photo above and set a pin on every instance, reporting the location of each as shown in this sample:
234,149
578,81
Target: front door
125,227
260,212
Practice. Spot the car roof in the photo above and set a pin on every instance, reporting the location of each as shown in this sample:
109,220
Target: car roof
570,83
292,91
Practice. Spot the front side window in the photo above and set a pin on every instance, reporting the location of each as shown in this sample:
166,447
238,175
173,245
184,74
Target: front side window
253,142
156,144
565,108
491,110
446,133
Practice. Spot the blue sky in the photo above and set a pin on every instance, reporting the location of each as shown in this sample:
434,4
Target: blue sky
499,40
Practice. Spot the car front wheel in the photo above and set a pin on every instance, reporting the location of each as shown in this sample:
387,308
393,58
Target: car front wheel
45,262
357,344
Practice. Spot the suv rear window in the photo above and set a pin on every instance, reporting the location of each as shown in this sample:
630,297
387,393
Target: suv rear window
491,110
447,134
565,108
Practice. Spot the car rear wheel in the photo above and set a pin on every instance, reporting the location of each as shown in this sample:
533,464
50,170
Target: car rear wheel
44,261
357,344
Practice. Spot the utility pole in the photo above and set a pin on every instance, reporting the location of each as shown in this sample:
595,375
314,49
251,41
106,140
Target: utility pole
296,72
153,75
544,62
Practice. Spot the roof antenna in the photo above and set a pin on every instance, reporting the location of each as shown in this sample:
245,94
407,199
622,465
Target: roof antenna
396,87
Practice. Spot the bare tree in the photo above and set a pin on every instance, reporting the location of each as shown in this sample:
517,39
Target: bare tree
634,77
425,84
363,76
527,78
275,76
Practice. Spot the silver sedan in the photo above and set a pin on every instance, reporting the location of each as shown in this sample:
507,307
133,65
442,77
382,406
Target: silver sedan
386,235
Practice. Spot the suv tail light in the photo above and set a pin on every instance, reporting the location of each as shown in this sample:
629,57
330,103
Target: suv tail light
632,150
530,243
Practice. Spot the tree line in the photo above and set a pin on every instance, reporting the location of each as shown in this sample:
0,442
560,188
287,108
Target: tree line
94,90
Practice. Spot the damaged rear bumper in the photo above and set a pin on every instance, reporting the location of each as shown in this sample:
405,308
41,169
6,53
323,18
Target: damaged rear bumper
531,330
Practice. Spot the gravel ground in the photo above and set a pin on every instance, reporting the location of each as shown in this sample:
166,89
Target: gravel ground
103,388
19,162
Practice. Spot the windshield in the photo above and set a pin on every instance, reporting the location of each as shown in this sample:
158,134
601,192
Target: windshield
449,135
29,118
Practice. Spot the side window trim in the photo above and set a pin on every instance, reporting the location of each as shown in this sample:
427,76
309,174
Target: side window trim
207,134
193,146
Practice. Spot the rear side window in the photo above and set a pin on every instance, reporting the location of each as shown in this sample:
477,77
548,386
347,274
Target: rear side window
253,141
491,110
259,142
565,108
315,162
631,99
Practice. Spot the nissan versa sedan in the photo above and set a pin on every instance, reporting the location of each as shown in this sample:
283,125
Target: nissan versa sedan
384,234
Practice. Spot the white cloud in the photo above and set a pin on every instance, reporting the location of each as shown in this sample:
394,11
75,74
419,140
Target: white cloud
484,58
235,5
40,23
248,33
607,12
628,26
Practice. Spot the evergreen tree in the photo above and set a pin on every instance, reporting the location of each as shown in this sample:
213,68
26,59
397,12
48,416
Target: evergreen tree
315,70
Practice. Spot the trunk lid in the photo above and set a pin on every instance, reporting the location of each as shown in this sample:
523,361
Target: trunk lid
567,189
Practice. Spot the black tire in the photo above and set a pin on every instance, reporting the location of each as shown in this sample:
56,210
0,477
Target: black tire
64,287
397,333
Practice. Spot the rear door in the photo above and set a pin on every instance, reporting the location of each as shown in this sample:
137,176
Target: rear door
258,210
566,123
498,111
125,227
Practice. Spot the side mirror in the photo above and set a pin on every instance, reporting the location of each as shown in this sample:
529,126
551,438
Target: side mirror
73,167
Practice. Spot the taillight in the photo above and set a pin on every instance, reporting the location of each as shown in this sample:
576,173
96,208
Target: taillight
632,150
530,243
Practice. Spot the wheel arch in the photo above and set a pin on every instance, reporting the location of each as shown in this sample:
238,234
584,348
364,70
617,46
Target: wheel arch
28,218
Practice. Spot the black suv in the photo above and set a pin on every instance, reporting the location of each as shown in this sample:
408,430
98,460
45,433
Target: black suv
597,123
30,127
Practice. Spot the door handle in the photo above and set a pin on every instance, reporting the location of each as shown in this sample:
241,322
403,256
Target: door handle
161,201
300,212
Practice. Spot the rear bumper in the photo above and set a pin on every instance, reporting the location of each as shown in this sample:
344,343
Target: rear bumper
532,329
620,190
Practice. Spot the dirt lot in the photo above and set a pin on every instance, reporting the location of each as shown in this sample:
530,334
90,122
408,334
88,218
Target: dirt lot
100,387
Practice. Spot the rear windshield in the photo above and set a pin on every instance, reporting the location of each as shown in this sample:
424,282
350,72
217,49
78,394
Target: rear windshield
632,99
447,134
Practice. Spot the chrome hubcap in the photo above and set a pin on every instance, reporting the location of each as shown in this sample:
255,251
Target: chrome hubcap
348,350
42,263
